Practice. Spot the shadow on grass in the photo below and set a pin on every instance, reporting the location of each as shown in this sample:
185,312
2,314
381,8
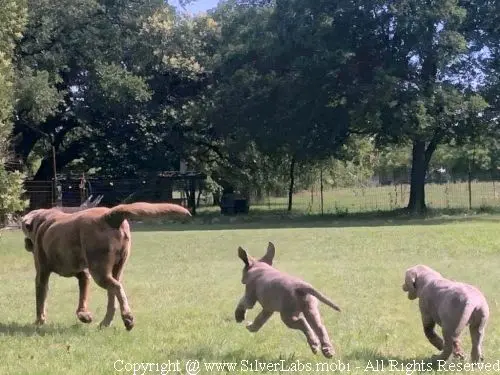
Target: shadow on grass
30,329
280,220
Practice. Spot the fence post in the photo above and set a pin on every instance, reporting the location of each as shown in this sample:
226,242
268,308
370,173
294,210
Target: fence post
469,184
321,188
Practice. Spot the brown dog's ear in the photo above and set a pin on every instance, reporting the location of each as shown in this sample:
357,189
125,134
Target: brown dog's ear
410,280
268,258
27,221
243,256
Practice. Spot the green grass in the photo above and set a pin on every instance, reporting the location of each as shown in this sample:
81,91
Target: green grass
385,198
183,282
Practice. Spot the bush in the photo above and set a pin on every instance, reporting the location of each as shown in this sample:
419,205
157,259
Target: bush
11,192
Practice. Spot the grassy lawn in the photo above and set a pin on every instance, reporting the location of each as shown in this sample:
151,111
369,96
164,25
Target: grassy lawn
183,283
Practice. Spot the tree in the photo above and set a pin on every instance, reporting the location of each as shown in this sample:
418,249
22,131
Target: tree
274,79
12,21
423,92
106,84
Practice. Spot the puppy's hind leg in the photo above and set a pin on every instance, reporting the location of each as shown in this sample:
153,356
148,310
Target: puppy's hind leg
83,285
477,329
453,324
299,322
313,317
259,321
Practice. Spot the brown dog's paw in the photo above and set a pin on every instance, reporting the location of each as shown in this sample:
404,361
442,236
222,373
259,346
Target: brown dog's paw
40,322
239,315
104,324
84,316
128,321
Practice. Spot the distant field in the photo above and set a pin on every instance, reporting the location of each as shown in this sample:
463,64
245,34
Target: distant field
385,198
183,283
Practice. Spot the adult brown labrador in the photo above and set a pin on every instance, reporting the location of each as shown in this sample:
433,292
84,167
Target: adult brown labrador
94,242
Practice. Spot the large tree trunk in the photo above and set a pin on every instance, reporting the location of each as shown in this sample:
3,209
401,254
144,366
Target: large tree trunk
421,156
26,136
292,181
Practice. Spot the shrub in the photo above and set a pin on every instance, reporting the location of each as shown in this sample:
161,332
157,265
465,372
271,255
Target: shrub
11,192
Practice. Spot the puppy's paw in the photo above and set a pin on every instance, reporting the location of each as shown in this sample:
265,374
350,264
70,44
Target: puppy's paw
128,321
251,328
239,315
437,358
328,351
459,355
84,316
314,348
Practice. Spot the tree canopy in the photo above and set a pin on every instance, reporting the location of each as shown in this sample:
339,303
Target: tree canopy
131,88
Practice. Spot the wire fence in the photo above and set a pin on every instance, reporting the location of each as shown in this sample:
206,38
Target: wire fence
450,195
73,192
457,195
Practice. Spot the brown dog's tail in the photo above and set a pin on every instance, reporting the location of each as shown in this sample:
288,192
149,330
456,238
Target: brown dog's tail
116,215
308,289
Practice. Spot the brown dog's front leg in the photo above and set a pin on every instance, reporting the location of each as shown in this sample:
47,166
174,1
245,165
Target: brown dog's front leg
41,289
83,284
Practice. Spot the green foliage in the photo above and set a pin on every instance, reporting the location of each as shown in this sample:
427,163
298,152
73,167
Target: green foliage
118,85
37,96
270,91
350,87
12,21
109,83
11,191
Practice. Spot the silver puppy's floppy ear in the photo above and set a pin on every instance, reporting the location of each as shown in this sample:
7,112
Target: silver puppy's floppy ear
243,256
268,258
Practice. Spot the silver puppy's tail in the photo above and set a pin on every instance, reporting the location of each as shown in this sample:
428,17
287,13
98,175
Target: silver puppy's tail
308,289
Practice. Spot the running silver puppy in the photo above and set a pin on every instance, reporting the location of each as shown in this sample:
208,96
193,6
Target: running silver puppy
451,305
293,298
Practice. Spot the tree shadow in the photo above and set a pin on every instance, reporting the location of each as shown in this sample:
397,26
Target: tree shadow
30,329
